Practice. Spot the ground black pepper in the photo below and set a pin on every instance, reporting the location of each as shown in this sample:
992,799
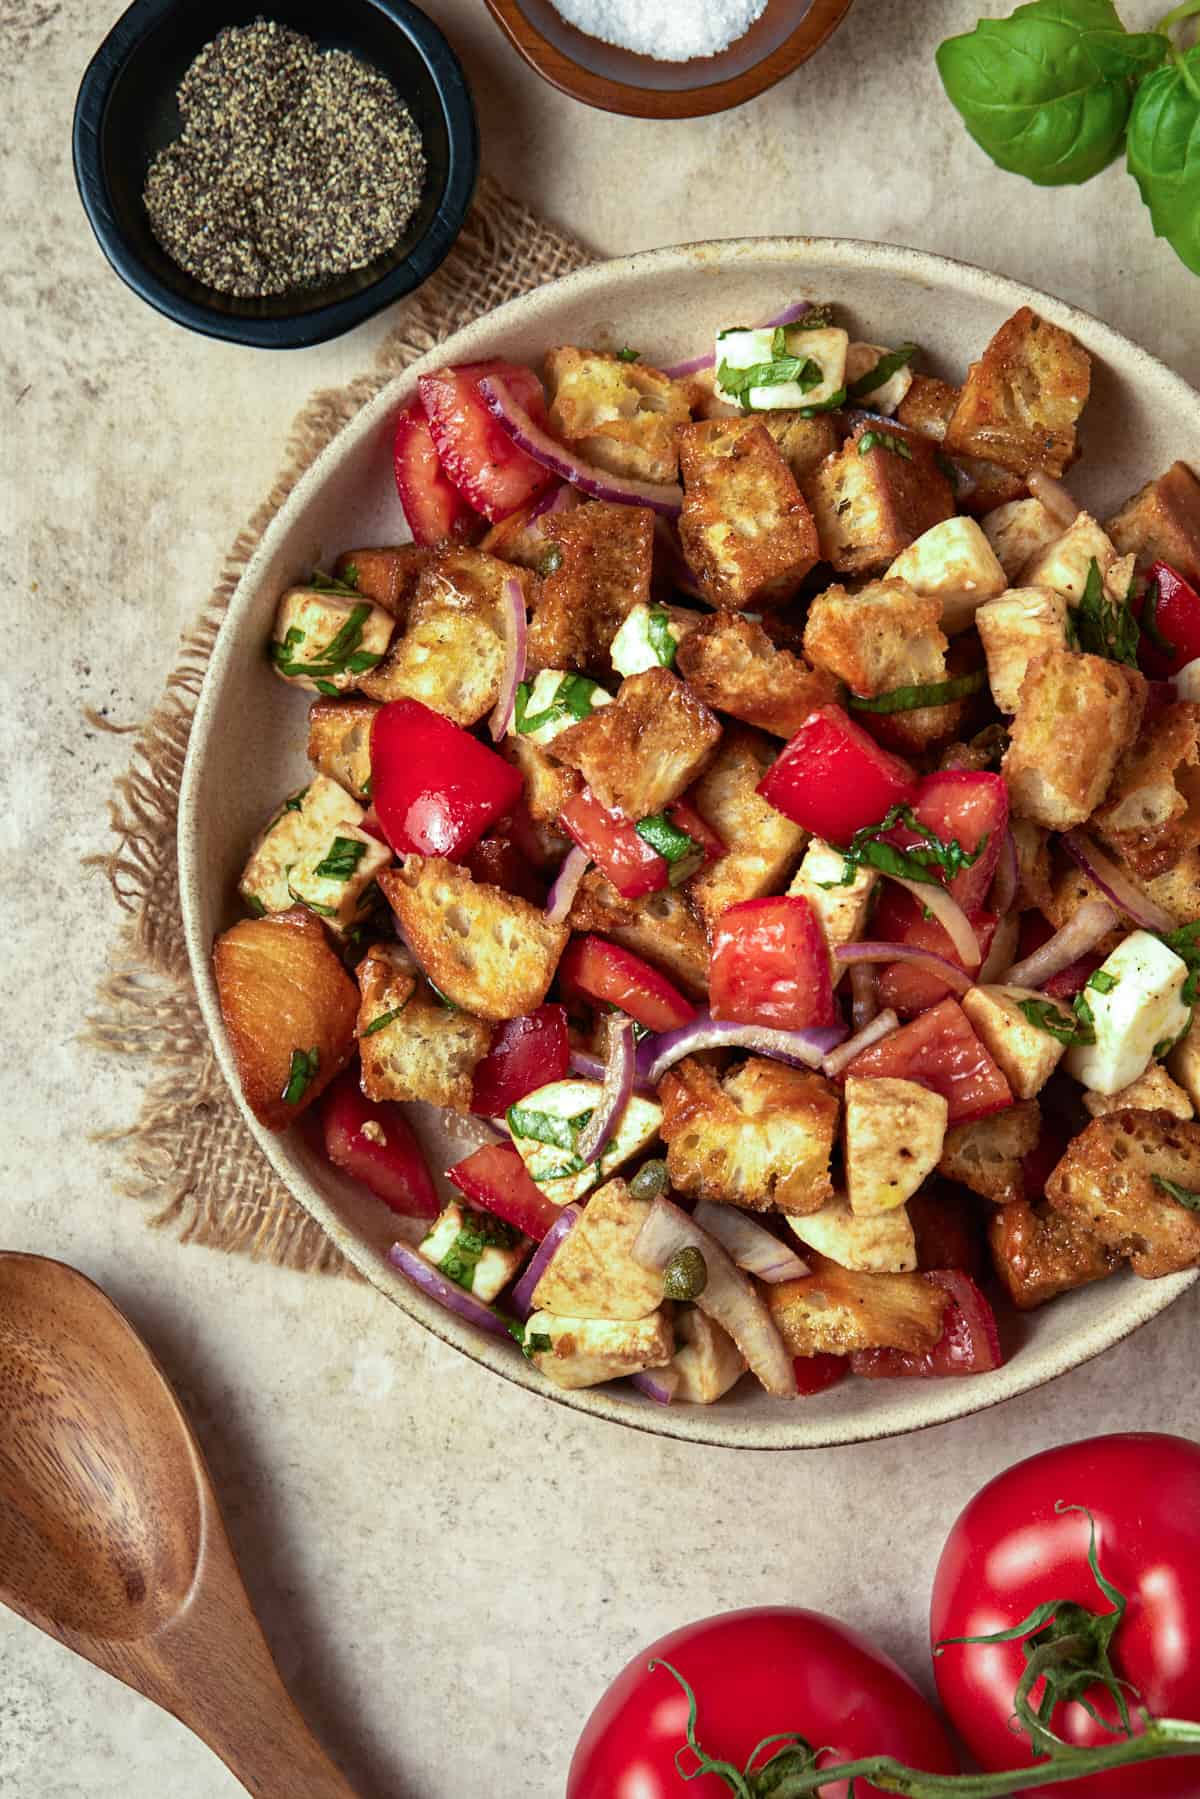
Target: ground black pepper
295,164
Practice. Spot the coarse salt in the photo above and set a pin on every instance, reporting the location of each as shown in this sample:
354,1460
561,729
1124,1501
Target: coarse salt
670,30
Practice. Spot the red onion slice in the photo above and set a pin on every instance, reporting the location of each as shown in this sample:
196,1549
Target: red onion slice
694,364
1057,499
882,1025
543,1255
1003,949
447,1293
949,914
1007,877
598,483
1093,921
615,1090
561,896
802,1049
658,1384
729,1296
864,994
928,959
1115,884
753,1249
512,609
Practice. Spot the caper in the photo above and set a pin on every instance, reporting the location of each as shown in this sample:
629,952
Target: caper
649,1181
686,1274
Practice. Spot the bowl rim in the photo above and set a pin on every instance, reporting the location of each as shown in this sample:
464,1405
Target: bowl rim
318,325
698,101
924,1403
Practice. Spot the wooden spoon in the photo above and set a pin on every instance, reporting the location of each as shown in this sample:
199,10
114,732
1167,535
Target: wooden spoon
110,1536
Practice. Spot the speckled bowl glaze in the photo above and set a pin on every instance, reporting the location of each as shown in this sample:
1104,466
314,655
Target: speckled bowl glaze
247,746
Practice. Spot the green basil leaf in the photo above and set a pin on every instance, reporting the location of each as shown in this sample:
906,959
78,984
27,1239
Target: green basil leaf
887,366
672,844
909,699
546,1127
884,440
305,1066
323,583
829,405
1187,1196
916,862
1164,153
342,859
1057,1024
661,636
1047,92
1105,627
628,355
1186,944
384,1019
573,699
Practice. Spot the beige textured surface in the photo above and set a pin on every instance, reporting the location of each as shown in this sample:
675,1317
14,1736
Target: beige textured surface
424,1541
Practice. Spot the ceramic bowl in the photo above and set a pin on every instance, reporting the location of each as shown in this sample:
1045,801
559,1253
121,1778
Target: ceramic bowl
247,746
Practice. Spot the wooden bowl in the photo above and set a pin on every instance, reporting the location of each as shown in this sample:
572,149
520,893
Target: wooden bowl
615,80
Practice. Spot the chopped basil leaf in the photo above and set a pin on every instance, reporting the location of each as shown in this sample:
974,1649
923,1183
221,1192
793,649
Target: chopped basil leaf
888,365
256,906
671,843
1105,627
1187,1196
305,1065
661,636
552,560
546,1127
1102,981
1186,944
312,905
573,699
950,469
884,440
384,1019
342,859
323,583
539,1343
341,656
1150,624
780,370
450,1004
1063,1026
294,804
1085,1015
829,405
477,1232
908,699
911,864
628,355
327,688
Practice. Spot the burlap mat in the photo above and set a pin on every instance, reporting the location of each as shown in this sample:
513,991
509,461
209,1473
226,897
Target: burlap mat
189,1157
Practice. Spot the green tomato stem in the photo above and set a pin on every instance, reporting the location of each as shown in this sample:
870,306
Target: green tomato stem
1190,80
1188,10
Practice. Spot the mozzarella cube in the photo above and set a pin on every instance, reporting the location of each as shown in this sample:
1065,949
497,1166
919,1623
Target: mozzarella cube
593,1273
1017,531
474,1250
324,641
879,1244
545,1128
308,822
583,1352
889,396
1184,1062
1187,682
1065,563
842,911
707,1360
566,697
1025,1054
744,349
894,1132
1136,1018
335,880
1016,627
648,638
955,563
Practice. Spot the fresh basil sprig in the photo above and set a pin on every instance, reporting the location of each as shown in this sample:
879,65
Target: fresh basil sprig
912,699
913,863
1187,1196
1164,151
1103,627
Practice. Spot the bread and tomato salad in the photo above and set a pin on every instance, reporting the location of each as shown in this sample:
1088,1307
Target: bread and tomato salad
764,801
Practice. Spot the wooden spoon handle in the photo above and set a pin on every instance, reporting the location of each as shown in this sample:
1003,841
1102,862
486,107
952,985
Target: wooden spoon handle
273,1753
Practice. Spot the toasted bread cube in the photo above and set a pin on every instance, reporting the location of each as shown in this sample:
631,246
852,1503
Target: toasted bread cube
1153,1091
927,407
985,1154
640,753
556,700
731,663
593,1273
746,530
650,637
1116,1181
475,1250
326,642
660,927
1022,623
954,563
1021,401
308,821
386,575
1076,715
882,637
557,1113
337,880
339,743
1039,1254
451,654
893,1137
412,1045
761,844
289,1008
1065,562
1161,523
548,785
584,1352
1151,816
1183,1062
889,395
1178,891
875,1243
601,570
707,1360
1018,532
871,502
835,1311
980,486
825,348
1025,1054
488,951
760,1139
842,911
1138,1011
624,416
803,442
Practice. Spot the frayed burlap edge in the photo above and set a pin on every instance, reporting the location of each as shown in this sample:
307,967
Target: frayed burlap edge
188,1156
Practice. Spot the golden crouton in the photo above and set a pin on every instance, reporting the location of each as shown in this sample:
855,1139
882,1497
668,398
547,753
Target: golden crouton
660,927
1025,1054
1178,891
593,1273
411,1044
762,846
1153,1091
1021,401
640,753
746,530
835,1311
623,416
1018,532
927,408
1039,1254
1151,816
731,663
1033,865
451,654
760,1139
1064,564
1133,1180
339,742
985,1154
602,571
802,442
488,951
882,637
1184,1063
1162,523
1076,715
884,1243
873,498
1020,624
387,575
289,1007
894,1132
548,785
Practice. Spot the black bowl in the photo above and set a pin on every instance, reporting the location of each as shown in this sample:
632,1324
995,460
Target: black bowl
126,112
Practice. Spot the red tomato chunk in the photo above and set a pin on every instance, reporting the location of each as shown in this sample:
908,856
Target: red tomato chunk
476,453
495,1179
940,1050
605,974
833,779
969,1343
374,1143
436,789
770,965
526,1052
432,505
623,857
963,807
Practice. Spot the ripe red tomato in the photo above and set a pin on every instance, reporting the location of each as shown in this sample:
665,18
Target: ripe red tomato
966,807
385,1156
770,965
606,974
477,455
900,918
834,779
623,857
940,1050
432,505
526,1053
1010,1551
754,1673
